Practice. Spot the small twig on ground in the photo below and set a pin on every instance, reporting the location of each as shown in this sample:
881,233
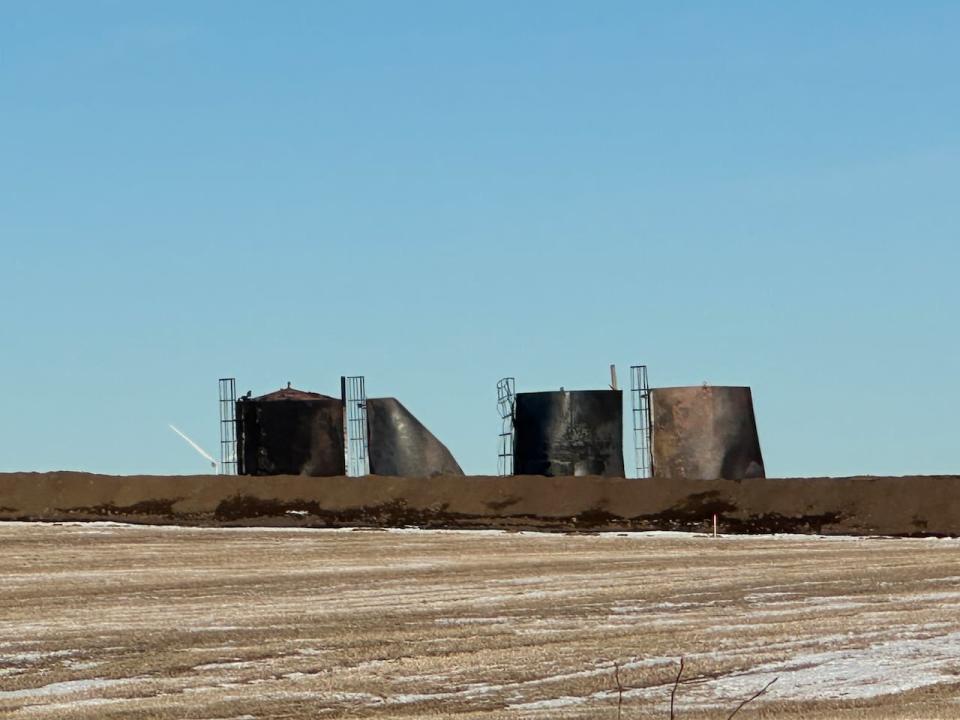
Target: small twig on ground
616,677
673,693
751,699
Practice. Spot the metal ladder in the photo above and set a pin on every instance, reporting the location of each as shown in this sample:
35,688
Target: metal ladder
506,398
642,425
228,426
353,391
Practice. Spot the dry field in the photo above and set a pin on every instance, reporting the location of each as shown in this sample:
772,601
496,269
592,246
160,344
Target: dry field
108,621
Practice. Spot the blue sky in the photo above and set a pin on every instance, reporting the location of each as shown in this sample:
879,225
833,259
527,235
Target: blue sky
438,194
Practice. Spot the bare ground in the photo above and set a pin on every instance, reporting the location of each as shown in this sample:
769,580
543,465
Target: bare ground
109,621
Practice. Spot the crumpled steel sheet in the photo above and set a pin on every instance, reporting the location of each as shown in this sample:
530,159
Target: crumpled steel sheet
572,432
705,433
399,444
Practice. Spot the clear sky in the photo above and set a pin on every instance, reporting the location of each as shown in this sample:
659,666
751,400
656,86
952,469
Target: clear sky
438,194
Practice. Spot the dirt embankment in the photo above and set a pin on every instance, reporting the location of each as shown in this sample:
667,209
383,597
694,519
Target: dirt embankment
923,505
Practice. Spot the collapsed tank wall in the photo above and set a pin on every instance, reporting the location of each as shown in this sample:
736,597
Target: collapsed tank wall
577,432
290,437
705,433
399,444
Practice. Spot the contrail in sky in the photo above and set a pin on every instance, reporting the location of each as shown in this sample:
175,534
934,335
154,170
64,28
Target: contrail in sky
194,445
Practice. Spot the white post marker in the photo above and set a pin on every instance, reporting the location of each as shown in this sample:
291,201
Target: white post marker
714,524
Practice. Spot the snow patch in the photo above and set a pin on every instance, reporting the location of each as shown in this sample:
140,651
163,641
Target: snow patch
64,688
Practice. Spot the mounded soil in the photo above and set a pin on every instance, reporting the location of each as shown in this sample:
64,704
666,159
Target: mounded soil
900,506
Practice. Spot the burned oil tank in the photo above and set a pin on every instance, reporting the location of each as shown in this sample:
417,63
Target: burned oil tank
290,432
572,432
705,433
399,444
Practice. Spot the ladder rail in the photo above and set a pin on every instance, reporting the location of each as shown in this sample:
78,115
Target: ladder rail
506,405
228,426
642,421
356,443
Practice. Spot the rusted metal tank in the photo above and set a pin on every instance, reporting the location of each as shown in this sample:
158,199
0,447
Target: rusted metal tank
401,445
290,432
569,432
705,433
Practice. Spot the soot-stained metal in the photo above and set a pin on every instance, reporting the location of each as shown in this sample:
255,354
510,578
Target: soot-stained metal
290,432
705,433
401,445
294,432
569,432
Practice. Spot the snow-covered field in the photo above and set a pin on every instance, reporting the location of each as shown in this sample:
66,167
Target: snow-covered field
106,621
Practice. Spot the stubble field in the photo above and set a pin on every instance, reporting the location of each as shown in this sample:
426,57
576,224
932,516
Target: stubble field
109,621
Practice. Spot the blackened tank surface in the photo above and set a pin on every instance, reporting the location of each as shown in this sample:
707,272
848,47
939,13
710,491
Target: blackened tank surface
290,432
705,433
399,444
576,432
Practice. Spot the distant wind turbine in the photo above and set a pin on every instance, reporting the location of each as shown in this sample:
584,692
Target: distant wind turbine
196,447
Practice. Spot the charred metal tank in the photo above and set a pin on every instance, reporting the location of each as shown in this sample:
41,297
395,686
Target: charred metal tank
290,432
573,432
399,444
705,433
